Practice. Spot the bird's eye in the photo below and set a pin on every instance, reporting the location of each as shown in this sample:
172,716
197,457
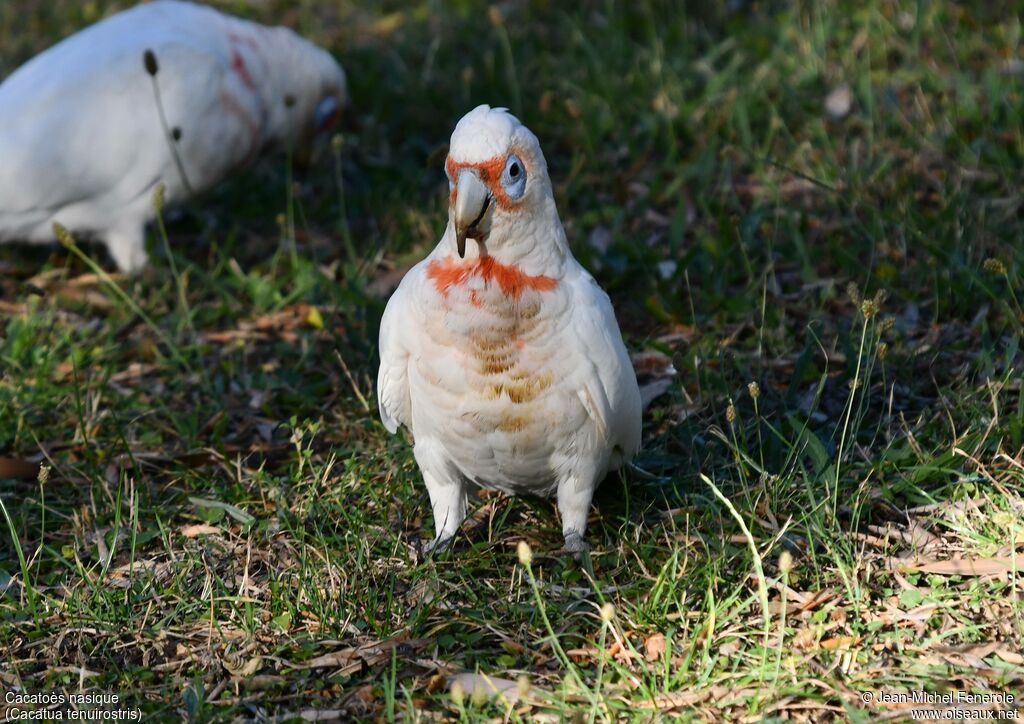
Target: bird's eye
513,180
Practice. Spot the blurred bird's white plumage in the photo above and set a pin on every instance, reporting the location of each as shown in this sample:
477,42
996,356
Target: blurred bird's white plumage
81,140
502,356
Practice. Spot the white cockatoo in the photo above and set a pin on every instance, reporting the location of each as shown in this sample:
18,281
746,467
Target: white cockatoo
503,357
167,93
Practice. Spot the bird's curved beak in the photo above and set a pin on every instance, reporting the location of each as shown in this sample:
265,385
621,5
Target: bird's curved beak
326,113
472,200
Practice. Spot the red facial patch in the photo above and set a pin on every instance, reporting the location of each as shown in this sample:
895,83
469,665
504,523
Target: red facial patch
511,279
238,65
489,171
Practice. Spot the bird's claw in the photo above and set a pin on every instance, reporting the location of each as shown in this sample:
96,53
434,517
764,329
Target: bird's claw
436,546
576,546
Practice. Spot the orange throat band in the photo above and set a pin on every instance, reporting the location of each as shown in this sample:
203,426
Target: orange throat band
512,280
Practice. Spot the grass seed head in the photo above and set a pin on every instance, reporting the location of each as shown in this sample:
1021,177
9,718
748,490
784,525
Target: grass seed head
523,686
458,693
785,562
883,351
478,697
607,612
995,266
730,413
525,553
62,234
854,293
158,198
43,475
149,62
754,389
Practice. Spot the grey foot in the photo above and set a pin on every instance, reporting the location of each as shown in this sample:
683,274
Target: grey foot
576,546
437,546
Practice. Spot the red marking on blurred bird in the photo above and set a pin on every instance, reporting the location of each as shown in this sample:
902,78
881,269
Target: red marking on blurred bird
238,65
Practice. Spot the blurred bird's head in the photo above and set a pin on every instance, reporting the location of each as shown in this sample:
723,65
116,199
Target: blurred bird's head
498,181
313,96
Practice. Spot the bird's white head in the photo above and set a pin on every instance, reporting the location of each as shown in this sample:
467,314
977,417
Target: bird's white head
311,94
498,181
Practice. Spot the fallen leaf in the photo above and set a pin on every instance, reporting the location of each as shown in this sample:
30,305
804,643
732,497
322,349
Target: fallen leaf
672,701
78,671
963,566
1010,657
972,655
490,686
15,469
191,531
914,535
314,318
653,363
980,650
260,682
807,600
436,682
320,715
372,654
730,648
654,647
805,638
327,661
839,642
133,371
282,323
678,333
121,577
654,372
582,655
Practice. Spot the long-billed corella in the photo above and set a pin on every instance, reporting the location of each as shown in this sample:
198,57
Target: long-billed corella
503,356
167,93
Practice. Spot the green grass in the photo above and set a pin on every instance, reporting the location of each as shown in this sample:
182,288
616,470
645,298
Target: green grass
227,531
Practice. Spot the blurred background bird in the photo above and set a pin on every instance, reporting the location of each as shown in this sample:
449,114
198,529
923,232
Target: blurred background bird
499,352
168,93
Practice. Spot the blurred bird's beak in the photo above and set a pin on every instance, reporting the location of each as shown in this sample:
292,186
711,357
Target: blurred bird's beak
472,200
326,113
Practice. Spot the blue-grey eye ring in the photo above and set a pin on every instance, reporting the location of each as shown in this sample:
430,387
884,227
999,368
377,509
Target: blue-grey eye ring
513,179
